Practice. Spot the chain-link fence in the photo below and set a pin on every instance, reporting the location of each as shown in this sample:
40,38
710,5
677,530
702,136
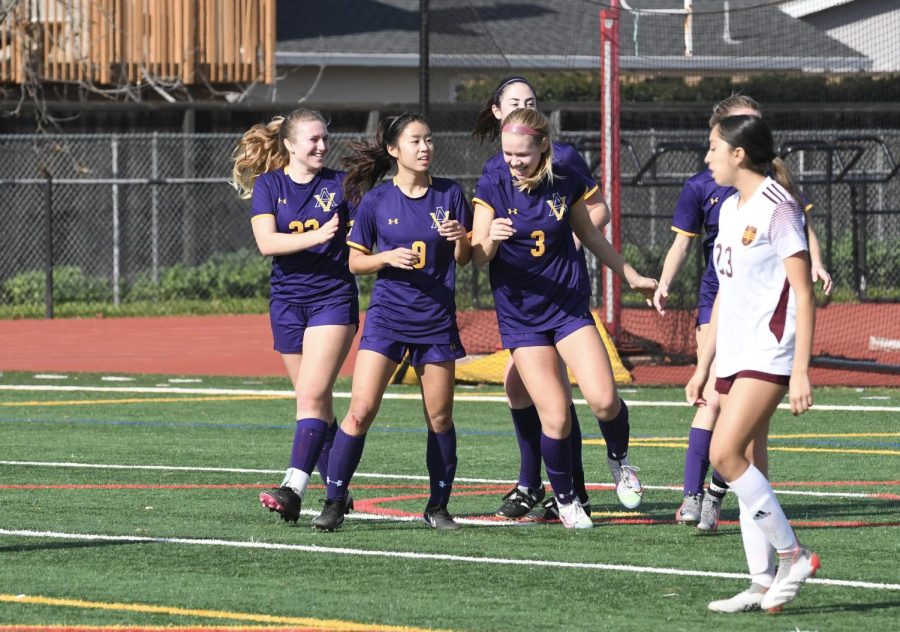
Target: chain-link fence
150,220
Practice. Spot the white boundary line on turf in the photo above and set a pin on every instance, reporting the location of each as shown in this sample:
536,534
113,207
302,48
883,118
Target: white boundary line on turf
460,396
402,477
425,556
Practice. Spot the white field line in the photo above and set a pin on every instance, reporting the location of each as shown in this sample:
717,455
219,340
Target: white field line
424,556
401,477
460,396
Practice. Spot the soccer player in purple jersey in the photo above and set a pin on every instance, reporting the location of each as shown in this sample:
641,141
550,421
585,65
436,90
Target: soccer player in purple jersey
698,209
512,93
412,232
299,218
766,306
523,224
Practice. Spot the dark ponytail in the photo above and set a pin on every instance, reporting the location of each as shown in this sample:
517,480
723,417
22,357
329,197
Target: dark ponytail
487,125
369,162
755,136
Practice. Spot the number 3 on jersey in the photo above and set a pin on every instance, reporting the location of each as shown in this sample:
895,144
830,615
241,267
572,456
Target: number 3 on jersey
418,247
300,227
539,248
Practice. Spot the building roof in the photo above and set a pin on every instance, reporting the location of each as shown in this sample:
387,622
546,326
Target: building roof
546,34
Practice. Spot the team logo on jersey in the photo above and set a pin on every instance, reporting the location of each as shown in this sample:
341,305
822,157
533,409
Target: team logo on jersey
749,235
324,200
282,200
557,206
713,201
393,220
513,211
438,217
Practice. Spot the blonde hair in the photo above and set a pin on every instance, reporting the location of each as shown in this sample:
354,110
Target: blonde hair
539,123
728,105
261,149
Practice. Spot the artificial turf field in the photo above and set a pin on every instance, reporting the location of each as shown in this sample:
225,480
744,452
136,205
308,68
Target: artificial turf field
137,509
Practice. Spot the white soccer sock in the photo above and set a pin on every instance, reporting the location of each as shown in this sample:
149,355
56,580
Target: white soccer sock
296,480
760,554
755,492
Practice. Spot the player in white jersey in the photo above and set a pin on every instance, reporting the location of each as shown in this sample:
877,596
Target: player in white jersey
767,310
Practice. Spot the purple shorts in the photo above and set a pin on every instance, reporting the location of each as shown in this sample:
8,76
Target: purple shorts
289,321
709,287
724,384
420,352
547,338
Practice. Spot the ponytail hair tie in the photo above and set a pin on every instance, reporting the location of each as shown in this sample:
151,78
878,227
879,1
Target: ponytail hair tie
515,128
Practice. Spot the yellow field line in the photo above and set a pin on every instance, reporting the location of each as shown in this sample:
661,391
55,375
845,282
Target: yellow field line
319,624
149,400
683,445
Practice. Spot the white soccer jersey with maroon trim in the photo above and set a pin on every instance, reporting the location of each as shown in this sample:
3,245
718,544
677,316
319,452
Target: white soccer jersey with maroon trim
757,315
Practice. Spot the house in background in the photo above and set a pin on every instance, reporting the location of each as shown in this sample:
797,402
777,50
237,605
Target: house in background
340,52
870,26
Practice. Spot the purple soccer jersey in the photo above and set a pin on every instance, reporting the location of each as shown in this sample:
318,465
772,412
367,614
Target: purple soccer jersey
318,275
537,277
416,305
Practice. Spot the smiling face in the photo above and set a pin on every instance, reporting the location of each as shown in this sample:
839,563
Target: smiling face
515,95
414,148
308,144
522,153
723,160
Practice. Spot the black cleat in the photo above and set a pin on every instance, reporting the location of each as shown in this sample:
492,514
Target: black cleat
284,500
439,518
332,515
517,504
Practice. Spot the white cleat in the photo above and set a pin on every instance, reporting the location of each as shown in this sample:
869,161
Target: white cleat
573,516
628,486
747,601
793,569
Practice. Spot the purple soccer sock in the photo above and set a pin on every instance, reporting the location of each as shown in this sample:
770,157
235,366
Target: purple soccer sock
696,460
616,433
528,433
577,463
308,440
558,461
322,462
345,456
440,457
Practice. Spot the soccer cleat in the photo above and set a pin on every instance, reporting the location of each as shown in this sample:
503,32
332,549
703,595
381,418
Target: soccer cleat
689,512
332,515
572,516
548,511
439,518
746,601
628,486
794,568
709,514
284,500
517,503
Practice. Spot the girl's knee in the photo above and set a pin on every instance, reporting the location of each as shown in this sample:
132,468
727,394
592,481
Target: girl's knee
605,407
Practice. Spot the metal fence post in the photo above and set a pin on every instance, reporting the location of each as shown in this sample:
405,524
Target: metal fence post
48,252
154,207
114,147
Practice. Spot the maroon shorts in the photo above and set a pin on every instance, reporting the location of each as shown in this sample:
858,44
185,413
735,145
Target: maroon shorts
724,384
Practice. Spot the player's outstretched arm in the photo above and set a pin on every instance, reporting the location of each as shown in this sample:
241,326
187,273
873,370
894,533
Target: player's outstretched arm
675,259
594,241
